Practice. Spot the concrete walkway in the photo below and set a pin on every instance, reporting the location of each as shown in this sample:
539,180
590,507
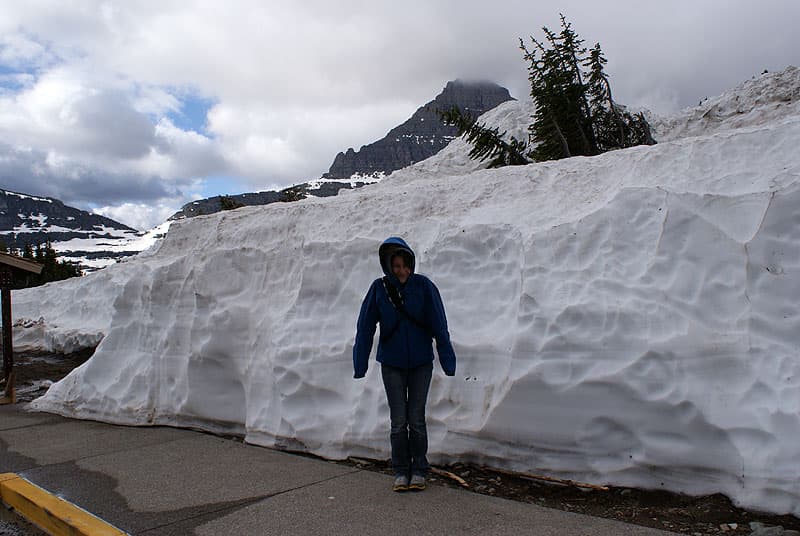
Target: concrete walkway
160,481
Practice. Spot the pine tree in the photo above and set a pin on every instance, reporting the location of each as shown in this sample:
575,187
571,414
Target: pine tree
575,112
571,49
640,130
226,202
615,128
291,194
608,126
52,268
546,133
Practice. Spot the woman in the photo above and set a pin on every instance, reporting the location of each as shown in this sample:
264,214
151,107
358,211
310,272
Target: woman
410,311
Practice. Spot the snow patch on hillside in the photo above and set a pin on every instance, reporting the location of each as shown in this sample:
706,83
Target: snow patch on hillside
96,252
23,196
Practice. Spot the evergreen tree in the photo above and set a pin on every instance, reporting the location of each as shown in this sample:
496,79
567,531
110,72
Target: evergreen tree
608,125
573,50
487,143
575,112
52,268
546,133
615,128
291,194
226,202
562,124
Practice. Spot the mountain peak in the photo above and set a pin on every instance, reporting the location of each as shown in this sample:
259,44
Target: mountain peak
421,136
459,83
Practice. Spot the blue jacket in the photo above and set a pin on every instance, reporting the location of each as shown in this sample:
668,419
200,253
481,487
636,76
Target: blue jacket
403,343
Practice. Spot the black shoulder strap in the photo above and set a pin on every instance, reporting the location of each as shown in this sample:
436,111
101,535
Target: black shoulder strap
397,301
394,295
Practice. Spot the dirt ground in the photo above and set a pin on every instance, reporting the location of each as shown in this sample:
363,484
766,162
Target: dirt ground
712,514
35,371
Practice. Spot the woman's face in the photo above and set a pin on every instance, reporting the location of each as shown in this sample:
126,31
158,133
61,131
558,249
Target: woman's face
400,270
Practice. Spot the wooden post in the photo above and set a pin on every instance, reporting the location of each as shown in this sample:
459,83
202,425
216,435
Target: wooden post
8,349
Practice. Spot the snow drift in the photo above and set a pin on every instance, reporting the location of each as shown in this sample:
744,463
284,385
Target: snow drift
629,318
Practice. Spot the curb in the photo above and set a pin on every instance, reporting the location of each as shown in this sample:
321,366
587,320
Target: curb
50,513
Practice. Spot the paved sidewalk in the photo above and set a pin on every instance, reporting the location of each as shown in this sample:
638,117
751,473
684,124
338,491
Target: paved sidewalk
164,481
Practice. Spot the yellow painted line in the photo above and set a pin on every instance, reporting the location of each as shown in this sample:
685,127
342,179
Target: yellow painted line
50,513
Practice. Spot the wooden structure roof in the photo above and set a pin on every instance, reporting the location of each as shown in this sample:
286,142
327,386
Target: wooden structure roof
20,263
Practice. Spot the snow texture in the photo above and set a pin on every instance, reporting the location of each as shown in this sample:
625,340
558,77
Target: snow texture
627,319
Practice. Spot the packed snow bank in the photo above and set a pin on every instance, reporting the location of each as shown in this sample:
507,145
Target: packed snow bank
759,101
76,313
629,318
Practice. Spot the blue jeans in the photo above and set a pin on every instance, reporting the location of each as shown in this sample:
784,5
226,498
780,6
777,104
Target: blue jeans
407,393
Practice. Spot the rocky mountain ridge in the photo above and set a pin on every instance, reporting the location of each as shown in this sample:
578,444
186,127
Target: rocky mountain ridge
91,240
210,205
422,135
27,219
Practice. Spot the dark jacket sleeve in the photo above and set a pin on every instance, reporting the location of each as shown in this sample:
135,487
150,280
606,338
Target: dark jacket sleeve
438,322
365,333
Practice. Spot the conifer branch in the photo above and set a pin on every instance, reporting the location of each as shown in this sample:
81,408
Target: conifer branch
487,143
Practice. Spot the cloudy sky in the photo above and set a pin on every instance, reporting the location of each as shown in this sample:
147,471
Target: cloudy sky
131,109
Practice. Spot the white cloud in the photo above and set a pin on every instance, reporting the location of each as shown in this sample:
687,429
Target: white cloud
87,137
20,50
89,87
141,216
294,143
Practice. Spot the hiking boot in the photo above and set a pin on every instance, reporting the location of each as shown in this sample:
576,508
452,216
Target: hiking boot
400,483
417,482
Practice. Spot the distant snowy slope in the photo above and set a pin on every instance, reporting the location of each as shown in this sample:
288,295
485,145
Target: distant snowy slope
91,240
94,252
628,318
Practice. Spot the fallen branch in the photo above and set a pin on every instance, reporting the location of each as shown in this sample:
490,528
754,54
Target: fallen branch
552,479
451,476
359,461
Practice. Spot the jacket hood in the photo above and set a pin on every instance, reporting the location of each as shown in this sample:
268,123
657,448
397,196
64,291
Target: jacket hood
389,246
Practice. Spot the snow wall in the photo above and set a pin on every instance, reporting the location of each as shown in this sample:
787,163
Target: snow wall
628,319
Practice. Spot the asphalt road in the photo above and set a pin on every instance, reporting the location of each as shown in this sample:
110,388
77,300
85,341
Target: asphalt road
165,481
